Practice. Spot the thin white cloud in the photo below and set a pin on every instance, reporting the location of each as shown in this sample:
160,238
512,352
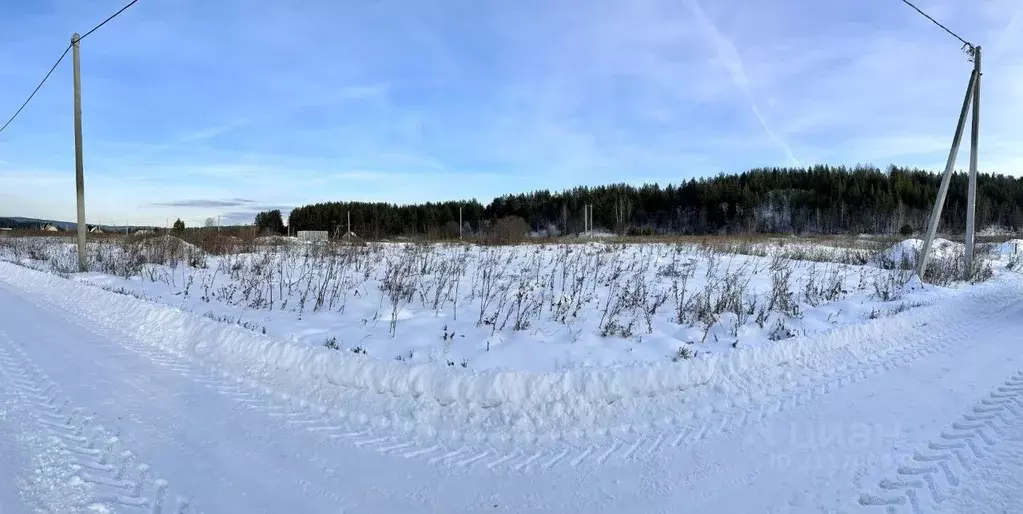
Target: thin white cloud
729,57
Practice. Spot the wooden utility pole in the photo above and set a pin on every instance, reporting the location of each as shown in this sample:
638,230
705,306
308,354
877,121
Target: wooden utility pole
971,198
79,167
939,202
459,223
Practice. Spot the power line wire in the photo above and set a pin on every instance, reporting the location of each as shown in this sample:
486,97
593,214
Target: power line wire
112,16
36,90
925,15
61,58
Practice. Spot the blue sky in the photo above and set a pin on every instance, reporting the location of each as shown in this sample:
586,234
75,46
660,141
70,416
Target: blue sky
198,108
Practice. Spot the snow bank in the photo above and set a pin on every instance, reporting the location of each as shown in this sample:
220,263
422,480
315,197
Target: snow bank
276,240
1010,247
168,240
236,348
598,234
996,231
904,254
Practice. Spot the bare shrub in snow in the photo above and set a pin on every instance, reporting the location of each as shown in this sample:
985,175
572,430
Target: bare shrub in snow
679,288
891,286
331,343
399,282
949,269
781,299
780,331
507,230
825,286
683,353
981,270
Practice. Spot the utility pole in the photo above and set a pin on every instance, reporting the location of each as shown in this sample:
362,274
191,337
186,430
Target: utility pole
939,202
972,95
348,236
971,198
79,167
618,213
459,223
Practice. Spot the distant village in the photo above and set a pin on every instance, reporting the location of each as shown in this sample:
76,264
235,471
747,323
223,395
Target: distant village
9,225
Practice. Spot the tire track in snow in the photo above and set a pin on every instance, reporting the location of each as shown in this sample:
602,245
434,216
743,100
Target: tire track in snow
933,341
934,473
95,459
263,400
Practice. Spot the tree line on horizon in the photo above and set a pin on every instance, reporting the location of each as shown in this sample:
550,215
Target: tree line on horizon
819,199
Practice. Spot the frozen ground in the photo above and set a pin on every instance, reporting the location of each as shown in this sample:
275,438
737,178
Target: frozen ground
115,404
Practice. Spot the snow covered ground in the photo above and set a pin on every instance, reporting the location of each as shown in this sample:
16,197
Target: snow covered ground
907,398
531,308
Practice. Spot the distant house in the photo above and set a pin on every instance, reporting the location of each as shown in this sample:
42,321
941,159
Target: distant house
96,230
142,232
5,231
50,227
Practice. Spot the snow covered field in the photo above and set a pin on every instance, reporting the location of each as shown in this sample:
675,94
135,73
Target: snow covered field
532,308
877,392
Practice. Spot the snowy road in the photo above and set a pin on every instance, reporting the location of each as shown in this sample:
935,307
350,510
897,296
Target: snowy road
924,414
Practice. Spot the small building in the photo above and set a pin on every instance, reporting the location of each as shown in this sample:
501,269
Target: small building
312,236
50,227
5,231
96,230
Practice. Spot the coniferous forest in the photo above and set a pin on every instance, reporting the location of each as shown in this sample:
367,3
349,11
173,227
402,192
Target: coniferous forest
816,200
